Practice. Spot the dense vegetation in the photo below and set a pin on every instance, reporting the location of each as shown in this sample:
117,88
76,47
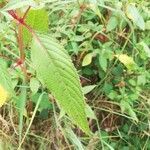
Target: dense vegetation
75,74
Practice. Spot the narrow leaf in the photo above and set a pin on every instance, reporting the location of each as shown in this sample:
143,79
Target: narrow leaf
21,106
74,139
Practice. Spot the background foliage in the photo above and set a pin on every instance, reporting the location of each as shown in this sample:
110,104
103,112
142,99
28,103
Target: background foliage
108,42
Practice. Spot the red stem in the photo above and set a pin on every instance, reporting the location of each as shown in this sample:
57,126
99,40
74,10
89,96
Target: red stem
13,14
22,22
20,38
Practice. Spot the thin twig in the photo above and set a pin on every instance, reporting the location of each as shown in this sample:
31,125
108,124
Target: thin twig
25,14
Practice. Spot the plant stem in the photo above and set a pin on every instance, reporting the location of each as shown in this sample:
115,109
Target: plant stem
20,38
20,42
25,14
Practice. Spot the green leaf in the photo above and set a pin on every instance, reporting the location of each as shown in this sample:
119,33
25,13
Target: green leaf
134,15
89,112
127,61
103,62
147,25
6,87
87,59
5,79
145,48
107,88
37,20
56,71
93,4
74,139
126,108
45,102
87,89
21,106
141,80
112,23
34,85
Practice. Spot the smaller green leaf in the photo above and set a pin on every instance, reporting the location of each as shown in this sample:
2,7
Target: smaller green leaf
89,112
112,95
145,48
94,7
132,82
133,14
34,85
74,139
103,62
87,59
147,25
112,23
87,89
44,104
127,61
107,88
126,108
141,80
77,38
